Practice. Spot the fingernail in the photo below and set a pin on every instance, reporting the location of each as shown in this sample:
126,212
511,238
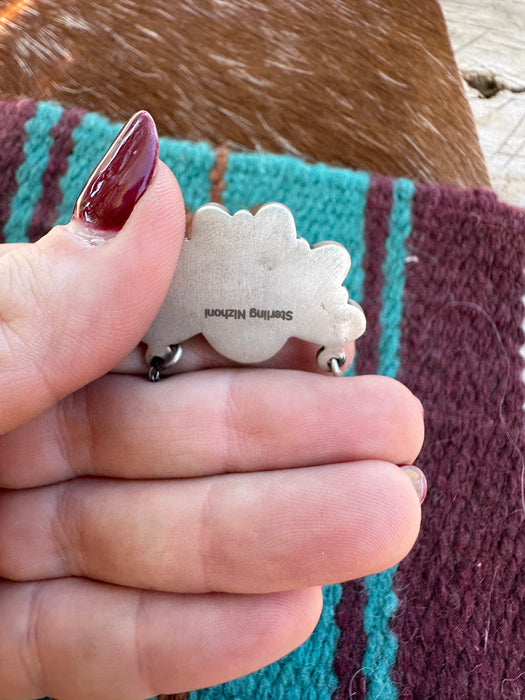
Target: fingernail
421,406
121,177
418,480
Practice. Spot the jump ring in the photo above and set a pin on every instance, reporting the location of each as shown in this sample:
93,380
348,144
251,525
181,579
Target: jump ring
336,364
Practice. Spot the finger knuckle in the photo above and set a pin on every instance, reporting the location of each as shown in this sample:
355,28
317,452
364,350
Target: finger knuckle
67,531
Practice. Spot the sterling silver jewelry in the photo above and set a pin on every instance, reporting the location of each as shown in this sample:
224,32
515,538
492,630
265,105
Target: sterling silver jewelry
248,284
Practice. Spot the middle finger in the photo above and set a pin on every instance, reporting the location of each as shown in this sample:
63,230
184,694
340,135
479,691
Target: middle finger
211,422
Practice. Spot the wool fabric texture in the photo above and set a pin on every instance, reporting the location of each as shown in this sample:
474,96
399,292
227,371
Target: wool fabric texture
439,273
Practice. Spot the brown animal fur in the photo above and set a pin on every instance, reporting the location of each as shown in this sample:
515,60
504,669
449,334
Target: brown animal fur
362,83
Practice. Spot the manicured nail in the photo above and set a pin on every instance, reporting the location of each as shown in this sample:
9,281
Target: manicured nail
421,406
121,177
418,480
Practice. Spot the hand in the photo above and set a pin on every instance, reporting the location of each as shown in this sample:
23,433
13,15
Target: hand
163,537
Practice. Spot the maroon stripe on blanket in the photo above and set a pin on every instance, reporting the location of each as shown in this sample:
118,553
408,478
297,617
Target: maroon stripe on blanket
349,613
46,211
13,117
352,643
377,213
462,589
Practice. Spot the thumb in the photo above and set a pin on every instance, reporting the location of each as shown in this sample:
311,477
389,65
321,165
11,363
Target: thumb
75,303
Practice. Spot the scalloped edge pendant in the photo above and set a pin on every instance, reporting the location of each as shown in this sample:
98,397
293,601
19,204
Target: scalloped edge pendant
247,283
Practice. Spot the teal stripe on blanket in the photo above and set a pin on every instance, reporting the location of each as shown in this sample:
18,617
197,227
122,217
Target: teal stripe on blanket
382,603
31,171
305,674
394,277
191,164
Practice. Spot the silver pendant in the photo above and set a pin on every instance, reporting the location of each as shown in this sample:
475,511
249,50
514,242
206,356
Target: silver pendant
248,284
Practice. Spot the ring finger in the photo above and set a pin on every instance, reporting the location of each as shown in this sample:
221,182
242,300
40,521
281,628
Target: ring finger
237,533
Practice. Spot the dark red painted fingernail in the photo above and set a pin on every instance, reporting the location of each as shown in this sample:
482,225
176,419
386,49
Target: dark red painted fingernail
121,177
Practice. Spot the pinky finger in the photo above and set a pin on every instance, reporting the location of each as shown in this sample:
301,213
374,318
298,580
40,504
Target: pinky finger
82,640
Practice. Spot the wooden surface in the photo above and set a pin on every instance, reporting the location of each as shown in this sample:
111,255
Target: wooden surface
488,37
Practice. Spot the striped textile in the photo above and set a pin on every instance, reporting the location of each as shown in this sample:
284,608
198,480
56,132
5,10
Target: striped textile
439,273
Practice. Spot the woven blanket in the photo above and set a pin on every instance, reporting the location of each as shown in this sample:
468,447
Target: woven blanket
439,273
